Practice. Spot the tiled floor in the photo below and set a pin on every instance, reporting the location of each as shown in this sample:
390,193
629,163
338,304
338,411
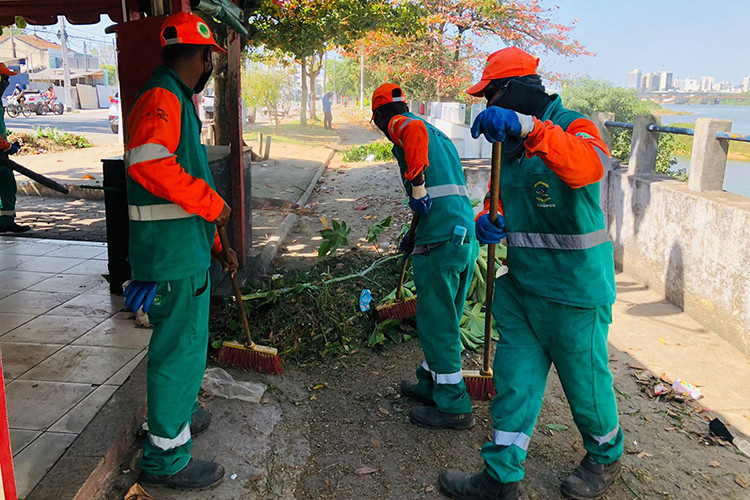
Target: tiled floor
66,346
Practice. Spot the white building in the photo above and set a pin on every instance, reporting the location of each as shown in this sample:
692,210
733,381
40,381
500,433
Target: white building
691,85
707,83
634,79
746,84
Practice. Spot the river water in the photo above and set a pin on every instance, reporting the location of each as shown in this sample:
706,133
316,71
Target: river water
737,177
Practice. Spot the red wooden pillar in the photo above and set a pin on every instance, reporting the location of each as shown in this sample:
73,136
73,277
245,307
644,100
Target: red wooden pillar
237,163
8,485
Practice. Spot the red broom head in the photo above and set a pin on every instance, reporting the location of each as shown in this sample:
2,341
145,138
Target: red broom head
397,310
252,360
480,388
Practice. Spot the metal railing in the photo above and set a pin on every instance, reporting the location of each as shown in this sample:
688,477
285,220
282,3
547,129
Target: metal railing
728,136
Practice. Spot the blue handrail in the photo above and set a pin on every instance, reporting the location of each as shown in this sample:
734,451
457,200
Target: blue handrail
727,136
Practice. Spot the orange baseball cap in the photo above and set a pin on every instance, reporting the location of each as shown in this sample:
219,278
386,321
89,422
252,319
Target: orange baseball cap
384,95
503,64
190,29
5,70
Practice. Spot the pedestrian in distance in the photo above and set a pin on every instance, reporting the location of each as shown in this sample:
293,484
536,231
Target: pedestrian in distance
327,115
8,187
174,213
555,303
444,251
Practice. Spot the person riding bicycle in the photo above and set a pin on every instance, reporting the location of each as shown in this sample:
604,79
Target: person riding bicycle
49,96
18,95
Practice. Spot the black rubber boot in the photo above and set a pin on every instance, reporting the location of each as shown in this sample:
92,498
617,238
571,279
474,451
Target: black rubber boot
199,422
482,486
15,228
591,479
430,417
197,475
409,390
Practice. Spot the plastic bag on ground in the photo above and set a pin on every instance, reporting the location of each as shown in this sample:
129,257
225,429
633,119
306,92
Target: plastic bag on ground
218,382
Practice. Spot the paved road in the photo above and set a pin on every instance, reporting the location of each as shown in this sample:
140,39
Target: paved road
82,122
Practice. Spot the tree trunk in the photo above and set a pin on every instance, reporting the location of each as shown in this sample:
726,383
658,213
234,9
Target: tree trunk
313,76
303,100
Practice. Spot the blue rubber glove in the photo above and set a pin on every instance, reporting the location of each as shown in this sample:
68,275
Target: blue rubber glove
405,247
497,123
422,203
487,232
14,148
140,294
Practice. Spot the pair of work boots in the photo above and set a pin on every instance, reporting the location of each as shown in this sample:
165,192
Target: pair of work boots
590,480
428,416
197,474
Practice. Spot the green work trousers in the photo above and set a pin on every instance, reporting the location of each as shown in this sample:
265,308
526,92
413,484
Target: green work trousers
535,332
7,196
176,363
443,276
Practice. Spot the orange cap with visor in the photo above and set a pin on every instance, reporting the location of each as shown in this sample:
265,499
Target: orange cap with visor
189,29
505,63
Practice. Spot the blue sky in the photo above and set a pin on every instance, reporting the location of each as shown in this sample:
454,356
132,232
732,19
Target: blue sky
688,37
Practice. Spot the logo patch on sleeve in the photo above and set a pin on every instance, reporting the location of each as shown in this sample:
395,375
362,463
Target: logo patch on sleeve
584,135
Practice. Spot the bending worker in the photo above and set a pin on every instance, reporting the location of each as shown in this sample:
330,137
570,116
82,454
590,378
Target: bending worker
443,264
555,303
174,210
8,188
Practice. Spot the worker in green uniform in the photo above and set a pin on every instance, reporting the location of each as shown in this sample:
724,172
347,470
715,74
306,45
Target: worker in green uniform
444,251
174,210
8,186
555,303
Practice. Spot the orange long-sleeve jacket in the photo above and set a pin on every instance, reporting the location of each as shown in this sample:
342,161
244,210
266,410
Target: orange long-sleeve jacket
411,134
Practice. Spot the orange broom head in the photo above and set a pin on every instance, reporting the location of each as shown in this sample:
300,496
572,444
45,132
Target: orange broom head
480,387
397,310
257,358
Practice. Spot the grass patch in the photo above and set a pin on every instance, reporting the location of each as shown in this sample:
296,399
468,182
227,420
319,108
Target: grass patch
47,140
293,132
381,151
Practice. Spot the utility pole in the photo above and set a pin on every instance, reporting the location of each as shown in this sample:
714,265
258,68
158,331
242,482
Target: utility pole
85,56
362,80
66,67
335,93
13,42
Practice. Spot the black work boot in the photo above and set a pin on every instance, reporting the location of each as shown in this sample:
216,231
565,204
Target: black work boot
409,390
591,479
199,422
197,475
14,228
482,486
430,417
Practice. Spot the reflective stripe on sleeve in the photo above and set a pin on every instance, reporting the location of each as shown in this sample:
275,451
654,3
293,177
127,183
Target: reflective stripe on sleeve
10,213
558,241
168,444
444,378
447,190
146,152
607,437
502,438
605,159
167,211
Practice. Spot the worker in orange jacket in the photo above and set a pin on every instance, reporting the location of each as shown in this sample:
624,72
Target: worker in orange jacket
174,210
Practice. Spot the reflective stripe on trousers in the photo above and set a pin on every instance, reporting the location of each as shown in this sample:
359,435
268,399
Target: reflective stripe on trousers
558,241
10,213
444,378
168,211
447,190
607,437
167,443
502,438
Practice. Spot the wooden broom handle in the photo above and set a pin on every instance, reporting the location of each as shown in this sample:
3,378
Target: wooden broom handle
410,238
227,251
494,202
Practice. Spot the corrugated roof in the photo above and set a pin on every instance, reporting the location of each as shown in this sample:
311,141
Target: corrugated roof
33,40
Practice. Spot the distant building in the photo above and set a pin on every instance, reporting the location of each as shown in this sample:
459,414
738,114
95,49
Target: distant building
35,50
634,79
746,84
691,85
723,86
707,84
665,81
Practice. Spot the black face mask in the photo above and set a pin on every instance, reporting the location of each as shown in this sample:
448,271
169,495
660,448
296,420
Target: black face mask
4,84
203,80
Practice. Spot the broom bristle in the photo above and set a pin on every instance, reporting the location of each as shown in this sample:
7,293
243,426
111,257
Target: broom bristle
397,310
480,388
247,358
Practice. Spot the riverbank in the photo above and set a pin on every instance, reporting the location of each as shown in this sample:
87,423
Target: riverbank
738,151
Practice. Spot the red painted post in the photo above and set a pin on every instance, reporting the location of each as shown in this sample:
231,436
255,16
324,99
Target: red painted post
237,164
180,6
8,489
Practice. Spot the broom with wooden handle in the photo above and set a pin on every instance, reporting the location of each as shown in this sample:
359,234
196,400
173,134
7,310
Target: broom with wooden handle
249,355
407,308
479,384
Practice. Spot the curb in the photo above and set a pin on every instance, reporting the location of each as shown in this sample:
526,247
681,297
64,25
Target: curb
265,258
77,191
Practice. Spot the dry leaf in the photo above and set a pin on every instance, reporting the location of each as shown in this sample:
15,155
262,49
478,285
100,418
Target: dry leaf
739,479
383,410
643,454
137,493
362,471
714,464
88,176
